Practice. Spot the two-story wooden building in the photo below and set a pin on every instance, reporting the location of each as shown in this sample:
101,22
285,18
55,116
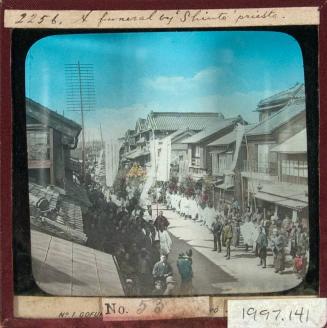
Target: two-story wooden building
159,125
272,178
50,138
199,155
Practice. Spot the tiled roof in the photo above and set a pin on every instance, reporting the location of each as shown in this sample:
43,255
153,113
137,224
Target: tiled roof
211,129
172,121
229,137
71,214
68,221
177,135
52,119
225,140
50,194
278,119
282,98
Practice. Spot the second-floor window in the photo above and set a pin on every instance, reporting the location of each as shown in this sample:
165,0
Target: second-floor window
38,145
221,162
263,158
295,168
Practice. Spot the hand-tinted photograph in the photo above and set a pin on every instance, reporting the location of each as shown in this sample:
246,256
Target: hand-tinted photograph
167,163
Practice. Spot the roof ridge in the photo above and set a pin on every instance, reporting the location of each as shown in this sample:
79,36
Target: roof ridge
296,88
187,113
57,115
277,113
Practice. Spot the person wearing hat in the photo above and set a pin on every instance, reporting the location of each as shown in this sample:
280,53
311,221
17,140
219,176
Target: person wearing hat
227,237
161,222
277,247
130,287
170,286
216,229
262,244
162,269
184,266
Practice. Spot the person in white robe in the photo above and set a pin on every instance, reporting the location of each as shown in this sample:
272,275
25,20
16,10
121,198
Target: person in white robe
187,207
182,206
168,199
200,213
248,233
178,202
165,242
193,209
173,201
211,216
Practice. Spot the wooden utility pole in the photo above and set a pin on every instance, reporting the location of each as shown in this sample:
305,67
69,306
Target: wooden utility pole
80,95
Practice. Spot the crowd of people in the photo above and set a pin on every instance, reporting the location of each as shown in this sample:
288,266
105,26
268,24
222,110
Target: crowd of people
140,242
261,231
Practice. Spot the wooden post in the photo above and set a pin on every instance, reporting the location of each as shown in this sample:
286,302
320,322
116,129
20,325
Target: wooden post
52,164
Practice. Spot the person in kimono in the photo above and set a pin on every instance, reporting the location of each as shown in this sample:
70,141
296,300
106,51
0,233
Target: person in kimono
184,265
182,206
161,222
262,244
187,207
278,249
178,200
247,232
193,209
201,213
165,242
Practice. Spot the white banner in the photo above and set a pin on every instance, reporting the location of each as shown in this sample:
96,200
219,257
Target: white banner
112,161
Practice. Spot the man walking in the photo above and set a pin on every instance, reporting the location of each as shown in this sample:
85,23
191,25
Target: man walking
216,229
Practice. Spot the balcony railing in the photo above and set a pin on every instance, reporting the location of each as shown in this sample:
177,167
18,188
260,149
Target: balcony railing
195,161
269,168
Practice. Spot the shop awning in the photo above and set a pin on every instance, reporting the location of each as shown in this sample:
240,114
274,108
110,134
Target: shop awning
281,201
268,197
293,204
294,145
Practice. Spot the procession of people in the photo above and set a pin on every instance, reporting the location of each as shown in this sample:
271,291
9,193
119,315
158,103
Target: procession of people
140,240
261,232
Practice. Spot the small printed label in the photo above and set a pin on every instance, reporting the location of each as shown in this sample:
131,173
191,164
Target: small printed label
277,313
160,308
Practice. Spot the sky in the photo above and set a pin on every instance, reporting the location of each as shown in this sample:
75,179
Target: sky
139,72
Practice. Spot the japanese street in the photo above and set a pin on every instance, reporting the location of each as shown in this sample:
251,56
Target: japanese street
213,274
